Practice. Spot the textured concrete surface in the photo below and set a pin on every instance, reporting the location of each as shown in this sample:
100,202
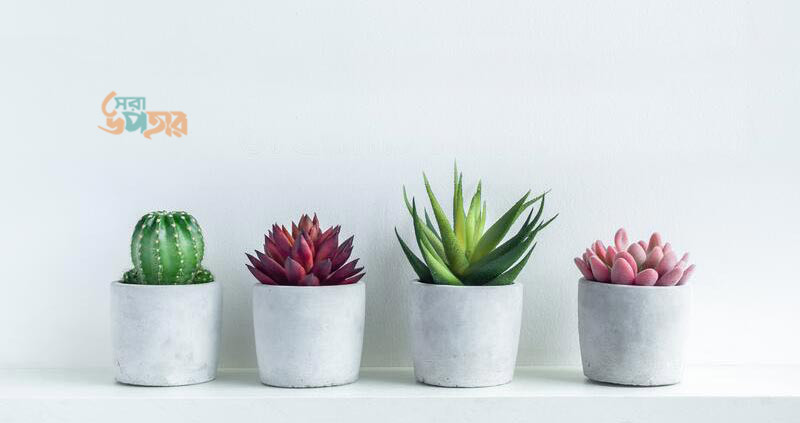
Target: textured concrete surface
633,335
465,336
308,336
166,335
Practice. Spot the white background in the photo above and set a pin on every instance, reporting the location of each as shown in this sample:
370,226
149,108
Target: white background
676,116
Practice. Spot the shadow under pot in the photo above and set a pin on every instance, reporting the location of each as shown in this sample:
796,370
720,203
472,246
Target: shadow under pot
633,335
166,335
465,336
308,336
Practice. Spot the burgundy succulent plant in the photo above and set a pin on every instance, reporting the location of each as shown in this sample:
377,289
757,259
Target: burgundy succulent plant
306,256
640,263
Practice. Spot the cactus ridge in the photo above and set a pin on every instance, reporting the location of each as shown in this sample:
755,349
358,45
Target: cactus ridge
167,249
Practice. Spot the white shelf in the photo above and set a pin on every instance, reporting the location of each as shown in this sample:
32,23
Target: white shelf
544,394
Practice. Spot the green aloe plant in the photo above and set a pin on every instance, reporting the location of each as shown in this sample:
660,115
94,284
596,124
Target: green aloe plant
465,254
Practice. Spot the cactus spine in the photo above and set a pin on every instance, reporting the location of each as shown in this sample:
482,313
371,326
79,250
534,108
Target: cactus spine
167,249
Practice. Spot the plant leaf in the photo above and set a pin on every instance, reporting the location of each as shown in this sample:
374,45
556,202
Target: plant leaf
440,272
473,217
455,255
492,269
508,277
527,229
418,265
458,209
430,226
498,230
429,232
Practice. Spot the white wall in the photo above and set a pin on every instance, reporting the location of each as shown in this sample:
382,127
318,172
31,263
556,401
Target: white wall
676,116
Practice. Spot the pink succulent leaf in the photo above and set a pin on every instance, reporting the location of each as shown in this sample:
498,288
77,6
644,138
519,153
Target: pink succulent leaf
655,240
600,271
309,280
611,253
353,279
294,271
599,249
271,268
686,275
585,258
584,268
631,261
646,277
670,278
644,245
653,258
343,272
621,239
301,252
638,253
685,257
667,263
260,276
667,247
621,272
322,269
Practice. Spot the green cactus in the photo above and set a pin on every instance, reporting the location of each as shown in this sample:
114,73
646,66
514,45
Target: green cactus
167,249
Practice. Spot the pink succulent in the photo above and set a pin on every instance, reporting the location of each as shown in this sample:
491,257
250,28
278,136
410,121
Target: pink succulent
641,263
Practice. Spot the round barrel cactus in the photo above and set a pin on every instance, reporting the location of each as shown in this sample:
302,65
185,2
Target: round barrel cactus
167,249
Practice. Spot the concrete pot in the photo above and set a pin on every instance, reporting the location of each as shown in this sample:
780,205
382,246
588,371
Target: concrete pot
633,335
465,336
308,336
166,335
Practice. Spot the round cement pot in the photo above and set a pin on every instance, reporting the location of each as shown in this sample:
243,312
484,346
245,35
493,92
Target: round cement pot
308,336
465,336
166,335
633,335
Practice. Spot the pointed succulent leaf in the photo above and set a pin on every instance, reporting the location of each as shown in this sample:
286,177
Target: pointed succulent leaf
488,271
322,269
498,230
426,230
430,226
473,216
309,280
456,259
509,276
422,271
294,271
352,279
440,273
459,218
271,268
263,278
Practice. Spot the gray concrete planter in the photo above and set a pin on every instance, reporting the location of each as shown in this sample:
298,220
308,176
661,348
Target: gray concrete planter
308,336
166,335
633,335
465,336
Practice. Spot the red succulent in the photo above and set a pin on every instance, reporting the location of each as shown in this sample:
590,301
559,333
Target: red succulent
306,256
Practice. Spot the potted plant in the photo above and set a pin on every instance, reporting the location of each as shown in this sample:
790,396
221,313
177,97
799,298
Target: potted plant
308,307
166,313
465,308
633,311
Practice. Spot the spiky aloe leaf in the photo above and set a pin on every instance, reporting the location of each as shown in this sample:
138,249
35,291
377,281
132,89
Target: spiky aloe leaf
440,273
481,223
417,264
492,269
527,229
455,254
427,231
498,230
473,220
430,226
508,277
459,218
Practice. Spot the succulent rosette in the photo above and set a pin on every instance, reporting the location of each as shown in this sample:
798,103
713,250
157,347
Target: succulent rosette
640,263
305,256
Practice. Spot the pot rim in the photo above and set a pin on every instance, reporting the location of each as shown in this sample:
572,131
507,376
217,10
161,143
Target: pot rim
587,282
436,285
182,285
349,285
